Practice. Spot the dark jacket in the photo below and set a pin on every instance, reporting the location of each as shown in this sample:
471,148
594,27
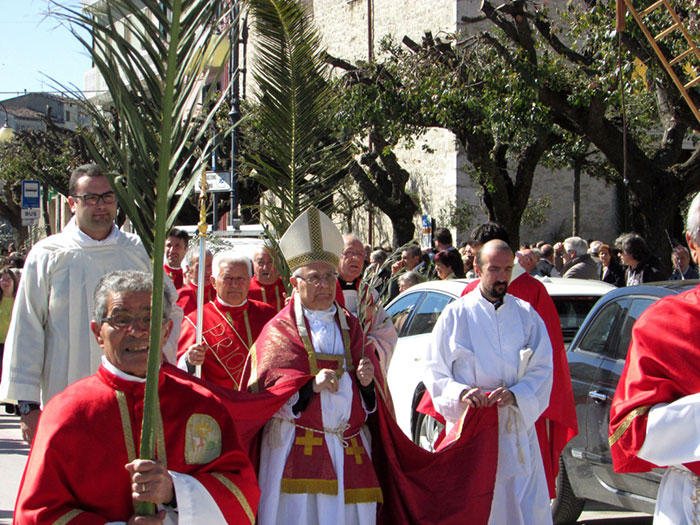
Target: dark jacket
645,272
614,274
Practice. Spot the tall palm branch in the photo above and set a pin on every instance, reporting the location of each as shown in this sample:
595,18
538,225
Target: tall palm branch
151,54
297,160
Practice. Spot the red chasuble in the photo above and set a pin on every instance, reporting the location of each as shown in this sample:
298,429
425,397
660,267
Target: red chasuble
408,476
176,275
272,294
663,365
229,332
75,473
557,424
187,297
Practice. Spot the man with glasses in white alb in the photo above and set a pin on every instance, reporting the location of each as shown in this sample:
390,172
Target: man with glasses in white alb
48,345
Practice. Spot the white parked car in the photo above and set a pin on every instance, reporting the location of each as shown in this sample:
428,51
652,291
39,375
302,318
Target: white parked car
415,312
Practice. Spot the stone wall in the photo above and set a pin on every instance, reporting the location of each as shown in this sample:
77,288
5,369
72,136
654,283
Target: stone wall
439,180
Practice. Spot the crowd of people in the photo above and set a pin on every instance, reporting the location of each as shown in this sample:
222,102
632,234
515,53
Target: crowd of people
625,262
273,400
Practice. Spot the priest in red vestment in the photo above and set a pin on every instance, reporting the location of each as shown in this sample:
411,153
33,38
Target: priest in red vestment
266,284
187,295
175,249
654,414
201,475
230,324
318,463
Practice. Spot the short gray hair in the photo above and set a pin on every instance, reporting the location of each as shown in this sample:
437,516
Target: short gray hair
192,253
127,281
692,220
576,244
230,257
411,278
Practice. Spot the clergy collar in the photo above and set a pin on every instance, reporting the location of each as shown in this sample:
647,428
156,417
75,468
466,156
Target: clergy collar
172,267
497,304
120,373
319,316
226,305
348,285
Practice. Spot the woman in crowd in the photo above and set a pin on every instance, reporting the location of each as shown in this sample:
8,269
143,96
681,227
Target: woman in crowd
8,289
612,270
642,266
448,264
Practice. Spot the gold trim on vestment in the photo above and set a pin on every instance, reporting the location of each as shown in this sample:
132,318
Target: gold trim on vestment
313,355
253,379
312,257
310,486
370,495
67,517
126,426
639,411
230,485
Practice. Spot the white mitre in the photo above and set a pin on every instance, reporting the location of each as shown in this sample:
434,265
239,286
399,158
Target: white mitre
311,238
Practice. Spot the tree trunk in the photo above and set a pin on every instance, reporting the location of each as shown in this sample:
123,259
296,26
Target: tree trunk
576,212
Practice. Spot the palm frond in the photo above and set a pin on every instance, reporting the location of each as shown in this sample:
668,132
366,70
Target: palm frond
294,107
152,55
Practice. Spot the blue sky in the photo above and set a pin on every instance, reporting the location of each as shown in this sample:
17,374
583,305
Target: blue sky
32,47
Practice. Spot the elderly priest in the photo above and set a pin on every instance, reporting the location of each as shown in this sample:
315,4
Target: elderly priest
315,464
83,466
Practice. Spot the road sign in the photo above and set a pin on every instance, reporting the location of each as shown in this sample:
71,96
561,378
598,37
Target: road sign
217,181
31,197
30,216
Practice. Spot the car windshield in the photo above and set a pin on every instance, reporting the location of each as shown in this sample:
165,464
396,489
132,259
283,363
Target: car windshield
572,311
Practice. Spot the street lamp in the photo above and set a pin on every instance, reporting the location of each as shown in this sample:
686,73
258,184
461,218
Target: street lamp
6,132
235,110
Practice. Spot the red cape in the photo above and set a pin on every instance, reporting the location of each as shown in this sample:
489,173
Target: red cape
663,365
176,275
63,483
187,297
557,424
273,294
419,487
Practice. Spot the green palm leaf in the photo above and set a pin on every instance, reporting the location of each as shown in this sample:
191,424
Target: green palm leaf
296,162
151,54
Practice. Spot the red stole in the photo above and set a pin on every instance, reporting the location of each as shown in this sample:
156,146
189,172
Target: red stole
187,297
663,365
176,275
272,294
228,332
557,424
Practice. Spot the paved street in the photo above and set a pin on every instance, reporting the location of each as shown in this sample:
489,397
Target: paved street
13,456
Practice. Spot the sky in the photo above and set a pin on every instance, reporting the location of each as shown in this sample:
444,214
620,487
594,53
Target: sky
32,47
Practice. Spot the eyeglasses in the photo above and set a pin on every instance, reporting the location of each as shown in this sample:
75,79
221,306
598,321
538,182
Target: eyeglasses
349,254
123,320
91,199
316,280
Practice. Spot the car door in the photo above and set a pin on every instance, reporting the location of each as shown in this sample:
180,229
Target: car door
644,484
591,351
415,317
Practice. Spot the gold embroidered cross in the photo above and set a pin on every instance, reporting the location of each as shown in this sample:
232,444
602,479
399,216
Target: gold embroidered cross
355,449
308,441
